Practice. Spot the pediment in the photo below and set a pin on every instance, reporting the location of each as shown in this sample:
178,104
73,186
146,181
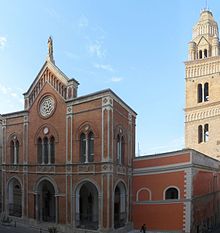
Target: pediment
203,41
52,75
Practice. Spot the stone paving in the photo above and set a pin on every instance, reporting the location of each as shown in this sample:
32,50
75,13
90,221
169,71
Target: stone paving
18,229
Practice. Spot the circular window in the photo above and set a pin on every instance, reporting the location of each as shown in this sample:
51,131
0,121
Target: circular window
47,106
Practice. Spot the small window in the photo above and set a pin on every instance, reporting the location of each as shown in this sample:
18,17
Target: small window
118,149
205,53
82,147
199,92
39,151
206,133
171,193
200,54
45,150
91,147
200,134
12,149
52,149
122,150
16,159
206,92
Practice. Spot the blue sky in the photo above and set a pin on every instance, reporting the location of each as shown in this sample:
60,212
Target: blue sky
136,48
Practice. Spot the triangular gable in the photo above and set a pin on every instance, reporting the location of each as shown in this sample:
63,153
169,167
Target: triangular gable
203,41
51,74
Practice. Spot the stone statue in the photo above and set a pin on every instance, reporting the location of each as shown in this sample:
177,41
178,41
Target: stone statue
50,46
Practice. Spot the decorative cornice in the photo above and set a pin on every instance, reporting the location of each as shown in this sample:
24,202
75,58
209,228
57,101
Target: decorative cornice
201,115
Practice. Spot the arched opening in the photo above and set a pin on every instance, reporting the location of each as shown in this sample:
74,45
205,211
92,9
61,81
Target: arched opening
199,92
120,205
52,150
46,204
122,150
14,198
206,92
91,147
118,149
39,151
82,148
45,153
205,53
171,193
87,207
200,134
206,133
12,151
200,54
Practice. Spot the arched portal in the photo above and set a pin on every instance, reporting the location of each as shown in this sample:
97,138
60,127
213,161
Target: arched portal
120,213
87,216
46,202
14,198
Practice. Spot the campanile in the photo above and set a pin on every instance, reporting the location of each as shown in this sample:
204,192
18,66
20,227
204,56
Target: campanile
202,69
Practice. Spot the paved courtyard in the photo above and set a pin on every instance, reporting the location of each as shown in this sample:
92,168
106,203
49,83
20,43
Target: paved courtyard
19,229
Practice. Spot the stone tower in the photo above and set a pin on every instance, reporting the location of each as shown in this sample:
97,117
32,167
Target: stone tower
202,112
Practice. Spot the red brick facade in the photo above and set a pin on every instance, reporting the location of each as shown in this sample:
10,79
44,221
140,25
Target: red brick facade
67,160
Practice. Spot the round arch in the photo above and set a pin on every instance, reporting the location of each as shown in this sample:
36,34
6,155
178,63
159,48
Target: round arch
14,196
120,204
87,209
143,189
170,187
46,204
46,178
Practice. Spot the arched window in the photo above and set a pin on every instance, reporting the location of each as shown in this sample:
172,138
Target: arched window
120,149
83,148
46,150
200,134
206,133
87,147
199,92
16,159
52,150
45,153
91,147
39,151
144,194
206,92
171,193
200,54
205,53
14,151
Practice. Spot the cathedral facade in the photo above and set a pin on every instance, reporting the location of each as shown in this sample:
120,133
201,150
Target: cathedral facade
67,159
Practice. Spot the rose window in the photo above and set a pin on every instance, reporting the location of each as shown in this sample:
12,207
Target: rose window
47,106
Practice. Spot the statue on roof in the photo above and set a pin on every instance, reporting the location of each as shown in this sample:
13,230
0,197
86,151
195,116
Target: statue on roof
50,46
50,49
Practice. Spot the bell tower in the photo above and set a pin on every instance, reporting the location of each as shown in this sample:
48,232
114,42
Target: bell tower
202,70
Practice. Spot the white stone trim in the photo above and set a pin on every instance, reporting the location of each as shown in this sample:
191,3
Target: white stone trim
141,189
145,173
171,186
188,183
155,168
187,217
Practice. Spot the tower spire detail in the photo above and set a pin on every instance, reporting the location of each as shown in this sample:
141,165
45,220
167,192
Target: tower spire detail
50,50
